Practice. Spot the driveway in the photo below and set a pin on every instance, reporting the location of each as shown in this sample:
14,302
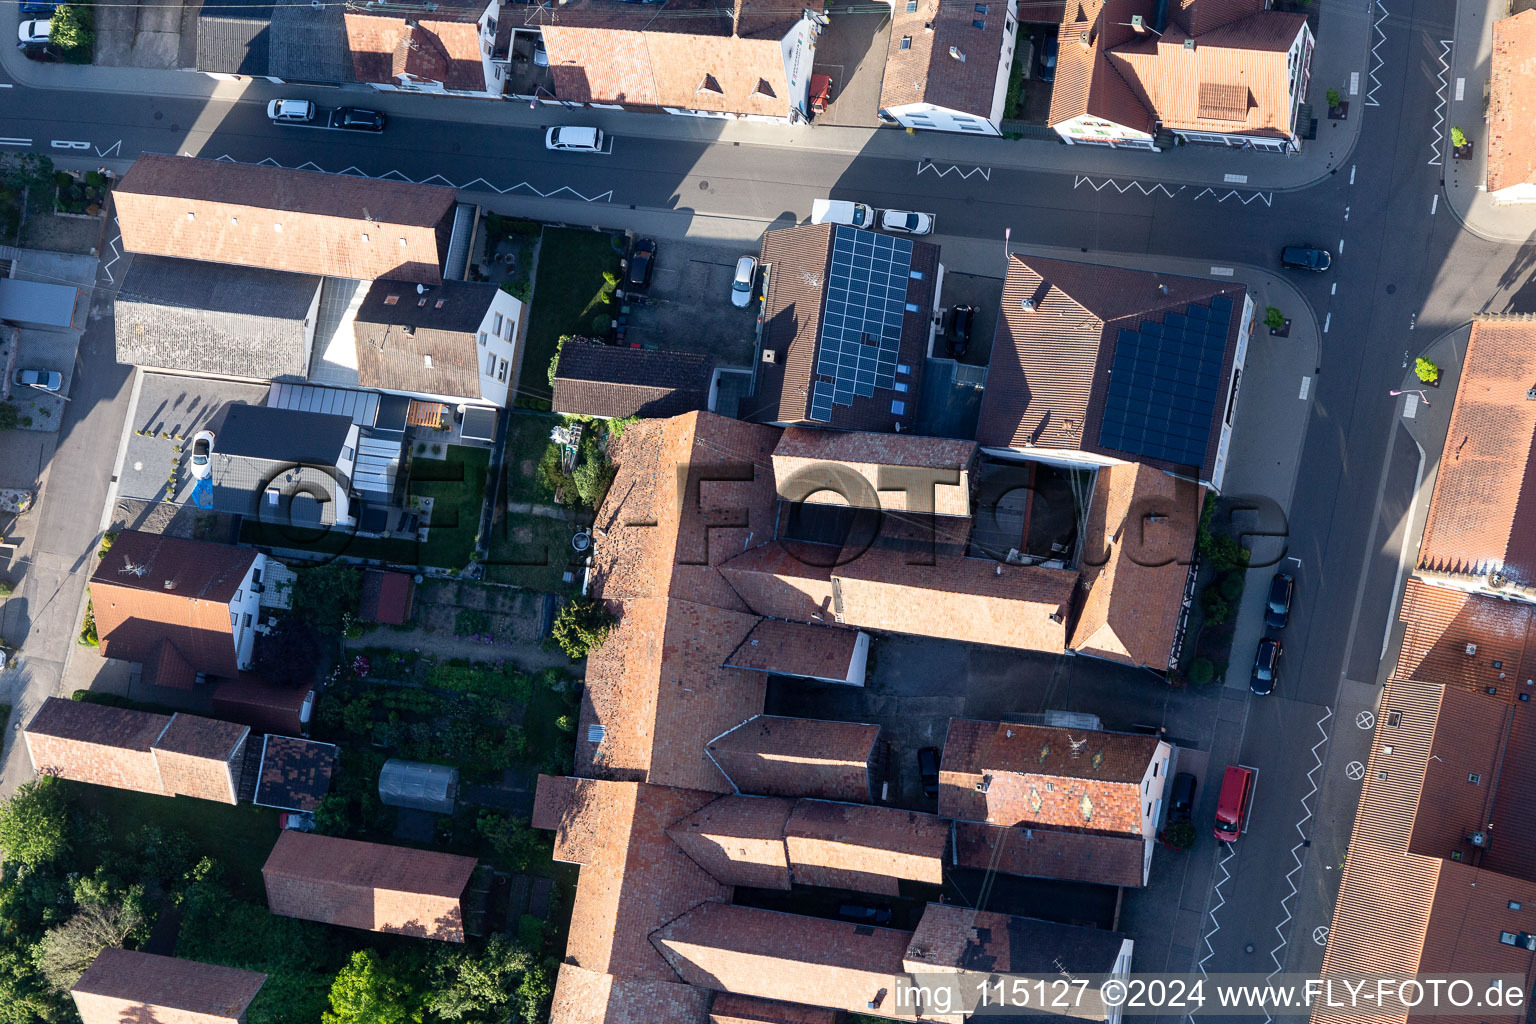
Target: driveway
688,305
852,52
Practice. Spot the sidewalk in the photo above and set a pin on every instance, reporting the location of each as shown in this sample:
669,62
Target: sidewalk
1342,49
1467,92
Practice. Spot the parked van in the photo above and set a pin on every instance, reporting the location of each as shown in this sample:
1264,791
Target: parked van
292,111
569,137
1232,806
840,211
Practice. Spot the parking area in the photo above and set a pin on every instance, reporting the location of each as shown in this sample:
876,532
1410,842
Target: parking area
852,52
985,296
1033,105
688,304
160,425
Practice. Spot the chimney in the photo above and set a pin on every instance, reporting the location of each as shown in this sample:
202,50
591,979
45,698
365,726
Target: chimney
1189,44
1028,305
1138,25
1082,40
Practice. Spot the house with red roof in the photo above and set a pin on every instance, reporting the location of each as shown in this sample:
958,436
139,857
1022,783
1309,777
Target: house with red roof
126,985
1512,110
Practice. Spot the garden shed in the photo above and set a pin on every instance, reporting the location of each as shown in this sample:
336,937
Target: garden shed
415,784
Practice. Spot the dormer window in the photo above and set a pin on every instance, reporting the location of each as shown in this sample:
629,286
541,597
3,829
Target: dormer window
764,89
710,85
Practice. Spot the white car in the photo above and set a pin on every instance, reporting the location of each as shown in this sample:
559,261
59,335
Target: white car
906,222
32,32
540,55
580,140
291,111
43,380
741,284
202,454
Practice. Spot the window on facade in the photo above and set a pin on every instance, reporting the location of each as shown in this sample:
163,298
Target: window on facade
246,624
1475,779
239,595
1394,718
346,453
508,332
272,494
900,386
234,616
903,368
482,337
1381,776
389,300
496,324
490,363
501,371
906,42
981,8
911,6
1514,905
764,89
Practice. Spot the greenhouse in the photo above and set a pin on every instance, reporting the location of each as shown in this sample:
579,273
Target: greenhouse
424,787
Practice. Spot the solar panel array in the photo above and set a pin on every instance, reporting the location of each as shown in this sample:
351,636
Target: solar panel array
1165,382
861,325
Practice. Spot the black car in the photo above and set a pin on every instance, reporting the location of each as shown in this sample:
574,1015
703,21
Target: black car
44,53
1277,611
1305,257
640,263
357,120
1181,799
864,914
1048,59
928,770
960,320
1266,667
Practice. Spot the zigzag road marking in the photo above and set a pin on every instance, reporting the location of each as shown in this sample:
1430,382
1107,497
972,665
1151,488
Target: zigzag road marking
1376,58
111,150
106,268
1210,950
929,165
353,170
1301,830
1243,197
1437,139
1146,190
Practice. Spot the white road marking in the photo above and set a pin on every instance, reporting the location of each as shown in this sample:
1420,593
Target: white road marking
111,150
6,85
1335,289
1145,190
1434,204
1243,197
15,142
1327,320
1346,213
1290,878
1376,59
1461,89
1365,720
929,165
67,144
1437,143
1221,271
1354,83
106,268
1235,179
1341,247
464,187
1354,771
1351,174
1320,935
1410,406
1306,388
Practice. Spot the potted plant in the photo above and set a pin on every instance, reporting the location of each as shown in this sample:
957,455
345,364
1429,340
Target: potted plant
1461,146
1278,323
1338,109
1427,371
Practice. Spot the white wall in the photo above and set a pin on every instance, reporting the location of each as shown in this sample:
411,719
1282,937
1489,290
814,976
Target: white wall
497,349
1525,192
799,48
245,612
344,467
927,117
1152,784
1088,130
1230,399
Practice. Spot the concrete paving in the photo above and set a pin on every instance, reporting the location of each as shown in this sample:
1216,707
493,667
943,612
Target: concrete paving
169,409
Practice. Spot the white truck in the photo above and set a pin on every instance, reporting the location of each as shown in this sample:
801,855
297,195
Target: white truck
841,211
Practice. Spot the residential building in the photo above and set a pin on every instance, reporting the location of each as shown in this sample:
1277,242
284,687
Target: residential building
1480,533
457,342
184,609
167,755
444,48
1056,803
264,707
285,41
948,65
614,382
690,57
768,755
284,467
368,885
848,322
1511,99
293,774
126,985
1100,366
824,653
186,315
1139,74
302,222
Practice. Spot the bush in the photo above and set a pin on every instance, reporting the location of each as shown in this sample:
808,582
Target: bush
9,418
1458,137
1180,834
565,723
1232,586
6,588
1201,671
530,932
1224,553
87,636
1426,370
602,323
325,594
72,30
581,626
1334,98
34,823
1217,611
1273,318
514,843
554,360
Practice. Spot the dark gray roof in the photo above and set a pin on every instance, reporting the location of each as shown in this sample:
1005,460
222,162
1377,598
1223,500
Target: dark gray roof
214,318
232,38
280,435
606,380
394,340
306,495
308,45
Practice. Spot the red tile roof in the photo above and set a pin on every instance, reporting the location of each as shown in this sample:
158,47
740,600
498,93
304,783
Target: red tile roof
1040,852
592,997
797,649
958,939
807,458
612,381
122,985
391,50
772,581
263,706
1441,623
387,597
367,885
1482,516
1049,372
773,756
926,71
729,1009
201,737
739,840
295,773
1512,103
864,848
338,225
1135,567
98,724
1086,82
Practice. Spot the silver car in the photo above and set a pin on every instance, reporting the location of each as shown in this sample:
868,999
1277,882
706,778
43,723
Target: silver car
741,284
43,380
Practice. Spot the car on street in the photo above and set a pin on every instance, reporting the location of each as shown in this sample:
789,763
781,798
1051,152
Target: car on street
864,913
575,139
30,33
1048,59
355,119
540,54
958,337
907,222
43,53
641,261
1266,666
43,380
34,7
291,111
928,770
1181,798
1277,610
1234,802
1305,257
202,454
741,284
841,211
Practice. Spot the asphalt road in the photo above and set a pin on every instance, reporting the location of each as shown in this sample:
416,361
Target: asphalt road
1402,275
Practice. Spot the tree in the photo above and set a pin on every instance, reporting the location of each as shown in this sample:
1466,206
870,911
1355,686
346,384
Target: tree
324,593
287,656
1333,97
581,625
1232,586
332,815
470,988
1458,137
513,842
34,823
68,949
72,30
534,992
1273,318
368,991
1217,610
1179,834
1201,671
1426,370
6,588
24,998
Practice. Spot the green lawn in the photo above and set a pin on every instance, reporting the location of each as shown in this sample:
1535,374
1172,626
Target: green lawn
527,439
457,486
533,552
567,294
238,837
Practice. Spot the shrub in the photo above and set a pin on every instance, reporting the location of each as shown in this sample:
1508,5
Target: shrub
530,932
1201,671
601,324
1217,611
34,823
8,416
1458,137
592,477
1224,552
617,427
1232,586
565,723
1334,98
1426,370
72,30
1180,834
325,594
88,628
554,360
581,626
514,844
6,588
1273,318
